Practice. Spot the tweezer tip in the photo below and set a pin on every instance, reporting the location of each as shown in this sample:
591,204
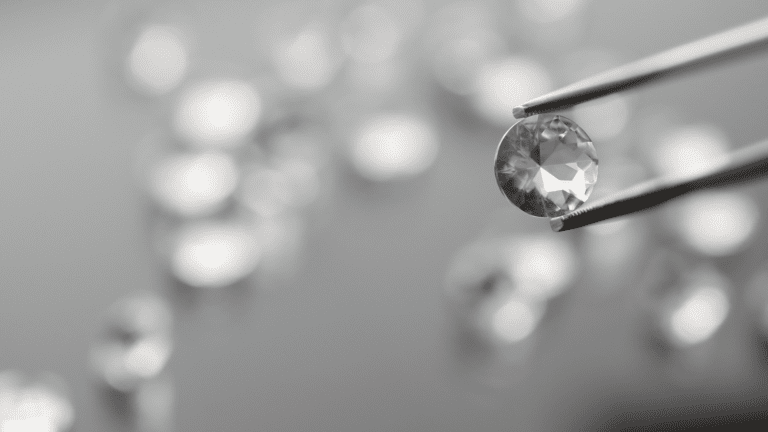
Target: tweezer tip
556,224
519,112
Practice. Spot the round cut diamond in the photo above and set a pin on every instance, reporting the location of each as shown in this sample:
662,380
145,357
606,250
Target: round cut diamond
546,165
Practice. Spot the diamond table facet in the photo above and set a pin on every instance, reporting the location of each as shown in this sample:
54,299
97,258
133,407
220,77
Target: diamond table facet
546,165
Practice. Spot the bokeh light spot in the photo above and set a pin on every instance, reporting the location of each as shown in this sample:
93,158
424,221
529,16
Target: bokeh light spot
159,60
394,145
547,11
504,84
194,184
717,223
699,315
515,319
217,113
214,255
689,150
308,60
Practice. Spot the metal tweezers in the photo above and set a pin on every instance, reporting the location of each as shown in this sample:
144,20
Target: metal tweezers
747,164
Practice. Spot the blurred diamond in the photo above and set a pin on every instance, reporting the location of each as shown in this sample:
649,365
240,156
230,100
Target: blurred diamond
33,406
695,313
546,165
217,114
689,150
137,342
158,60
214,254
370,33
191,184
394,145
503,84
690,300
308,60
510,318
716,223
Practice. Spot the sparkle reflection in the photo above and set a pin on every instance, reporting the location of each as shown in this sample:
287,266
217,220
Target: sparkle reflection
158,60
217,113
504,84
29,406
717,223
214,254
194,184
394,145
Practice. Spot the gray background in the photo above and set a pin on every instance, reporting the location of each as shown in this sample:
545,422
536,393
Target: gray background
360,340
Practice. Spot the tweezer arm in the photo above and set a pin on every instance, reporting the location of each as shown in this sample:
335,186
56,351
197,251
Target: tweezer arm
747,164
745,39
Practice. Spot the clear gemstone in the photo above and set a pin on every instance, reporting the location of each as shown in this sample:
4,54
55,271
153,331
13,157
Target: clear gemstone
546,165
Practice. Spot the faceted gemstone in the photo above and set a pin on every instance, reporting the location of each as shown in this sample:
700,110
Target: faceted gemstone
546,165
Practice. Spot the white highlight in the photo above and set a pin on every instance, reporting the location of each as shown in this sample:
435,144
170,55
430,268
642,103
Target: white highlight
699,315
718,223
394,145
547,11
308,61
211,255
32,407
515,320
690,150
504,84
542,267
217,113
159,60
194,184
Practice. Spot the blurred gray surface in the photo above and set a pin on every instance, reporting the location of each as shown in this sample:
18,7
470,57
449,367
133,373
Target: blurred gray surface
360,341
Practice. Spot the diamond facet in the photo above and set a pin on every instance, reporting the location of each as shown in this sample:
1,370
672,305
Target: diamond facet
546,165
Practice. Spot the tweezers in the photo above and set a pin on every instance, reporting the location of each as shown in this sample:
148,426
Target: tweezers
750,163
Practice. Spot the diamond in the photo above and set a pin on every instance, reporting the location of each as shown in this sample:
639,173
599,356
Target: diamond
546,165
